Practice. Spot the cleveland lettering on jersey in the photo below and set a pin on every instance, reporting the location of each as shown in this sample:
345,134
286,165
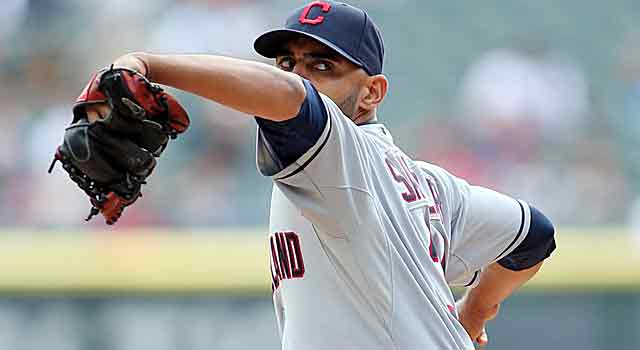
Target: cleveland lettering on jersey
286,257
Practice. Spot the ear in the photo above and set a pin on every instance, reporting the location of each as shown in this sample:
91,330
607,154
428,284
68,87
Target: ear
374,92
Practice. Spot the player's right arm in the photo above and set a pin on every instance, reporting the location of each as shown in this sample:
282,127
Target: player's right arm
246,86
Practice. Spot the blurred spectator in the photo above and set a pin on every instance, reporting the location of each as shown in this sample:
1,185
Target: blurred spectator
508,86
214,26
627,124
11,17
45,201
523,130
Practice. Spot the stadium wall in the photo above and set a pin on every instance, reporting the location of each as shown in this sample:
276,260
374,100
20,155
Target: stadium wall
235,262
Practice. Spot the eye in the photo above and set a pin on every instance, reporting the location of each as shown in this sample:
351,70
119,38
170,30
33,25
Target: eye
322,66
286,63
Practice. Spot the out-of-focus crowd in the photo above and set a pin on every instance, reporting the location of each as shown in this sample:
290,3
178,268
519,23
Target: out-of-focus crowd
535,121
525,126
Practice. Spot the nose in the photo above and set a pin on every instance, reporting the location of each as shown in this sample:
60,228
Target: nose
300,70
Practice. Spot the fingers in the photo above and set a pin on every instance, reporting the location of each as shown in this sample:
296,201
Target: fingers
482,339
113,207
133,61
97,111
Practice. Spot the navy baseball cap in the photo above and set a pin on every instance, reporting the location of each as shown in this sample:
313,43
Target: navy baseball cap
346,29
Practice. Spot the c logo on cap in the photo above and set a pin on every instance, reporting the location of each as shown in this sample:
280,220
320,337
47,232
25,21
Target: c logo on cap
303,17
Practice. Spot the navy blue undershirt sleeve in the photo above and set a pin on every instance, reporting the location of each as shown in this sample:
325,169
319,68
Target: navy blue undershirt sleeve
537,246
288,140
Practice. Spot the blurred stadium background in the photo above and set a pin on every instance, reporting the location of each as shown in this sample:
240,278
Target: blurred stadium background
538,99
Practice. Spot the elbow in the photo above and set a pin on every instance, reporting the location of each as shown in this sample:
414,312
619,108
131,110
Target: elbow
536,247
293,95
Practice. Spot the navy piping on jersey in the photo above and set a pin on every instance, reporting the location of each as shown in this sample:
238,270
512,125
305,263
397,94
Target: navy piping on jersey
473,280
320,149
371,122
287,141
519,230
300,168
537,246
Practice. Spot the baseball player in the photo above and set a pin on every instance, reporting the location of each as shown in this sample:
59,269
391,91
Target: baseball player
365,242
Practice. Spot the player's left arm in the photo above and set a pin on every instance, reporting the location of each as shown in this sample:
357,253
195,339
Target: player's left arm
500,279
250,87
497,243
482,303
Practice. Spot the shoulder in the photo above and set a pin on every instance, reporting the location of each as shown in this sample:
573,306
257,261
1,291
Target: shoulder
436,173
428,167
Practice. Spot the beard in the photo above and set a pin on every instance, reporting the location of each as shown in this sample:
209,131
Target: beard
348,105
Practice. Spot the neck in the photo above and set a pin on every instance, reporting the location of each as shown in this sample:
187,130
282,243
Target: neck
365,118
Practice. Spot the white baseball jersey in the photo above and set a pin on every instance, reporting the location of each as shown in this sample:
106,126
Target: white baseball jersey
365,242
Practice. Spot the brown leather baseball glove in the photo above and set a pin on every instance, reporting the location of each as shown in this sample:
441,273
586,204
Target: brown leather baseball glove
111,157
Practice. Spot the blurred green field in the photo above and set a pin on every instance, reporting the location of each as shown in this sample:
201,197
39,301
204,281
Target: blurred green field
236,262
